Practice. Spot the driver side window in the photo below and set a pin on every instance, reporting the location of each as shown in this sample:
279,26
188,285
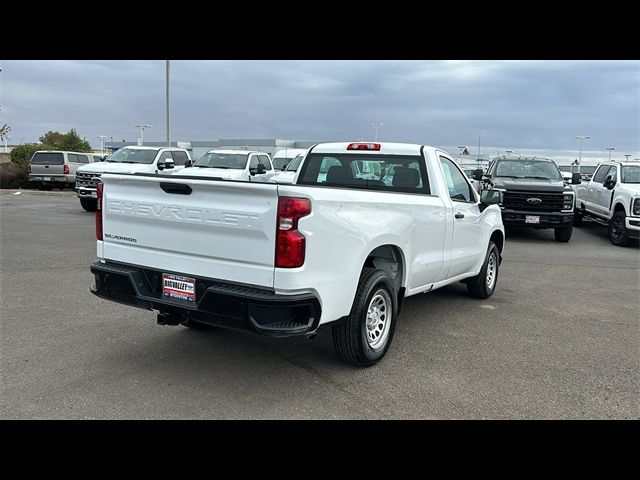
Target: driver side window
459,188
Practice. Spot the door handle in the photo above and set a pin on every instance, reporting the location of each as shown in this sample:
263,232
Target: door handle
459,215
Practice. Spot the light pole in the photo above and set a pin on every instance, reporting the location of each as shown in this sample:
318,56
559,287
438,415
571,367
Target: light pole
102,137
376,126
582,138
611,149
167,88
142,127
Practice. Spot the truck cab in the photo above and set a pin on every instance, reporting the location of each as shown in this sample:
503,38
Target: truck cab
133,159
239,165
612,198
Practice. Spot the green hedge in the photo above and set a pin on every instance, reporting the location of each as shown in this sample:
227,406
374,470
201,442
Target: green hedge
21,155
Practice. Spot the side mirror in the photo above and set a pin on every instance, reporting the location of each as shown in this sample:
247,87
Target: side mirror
160,164
576,178
261,169
490,196
609,182
477,174
103,158
169,163
188,163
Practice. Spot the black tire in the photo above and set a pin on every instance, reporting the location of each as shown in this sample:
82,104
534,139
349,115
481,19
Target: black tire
350,335
563,234
192,324
577,218
89,204
618,233
477,286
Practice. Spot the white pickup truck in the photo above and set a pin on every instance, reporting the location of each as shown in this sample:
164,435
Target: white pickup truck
240,165
612,197
330,248
127,160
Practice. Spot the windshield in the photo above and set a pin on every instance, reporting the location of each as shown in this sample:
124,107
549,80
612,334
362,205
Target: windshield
133,155
527,169
234,161
280,162
295,164
631,174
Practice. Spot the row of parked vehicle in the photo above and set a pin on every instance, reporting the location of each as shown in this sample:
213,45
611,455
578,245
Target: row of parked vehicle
538,194
340,237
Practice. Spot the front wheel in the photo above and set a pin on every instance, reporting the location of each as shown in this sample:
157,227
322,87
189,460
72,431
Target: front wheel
483,284
363,338
563,234
618,233
577,218
89,204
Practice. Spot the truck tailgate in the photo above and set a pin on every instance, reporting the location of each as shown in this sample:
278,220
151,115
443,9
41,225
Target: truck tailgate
213,229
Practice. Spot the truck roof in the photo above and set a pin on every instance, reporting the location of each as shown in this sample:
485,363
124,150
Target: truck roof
523,157
385,148
229,152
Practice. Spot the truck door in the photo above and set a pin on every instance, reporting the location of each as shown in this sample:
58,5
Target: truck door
601,199
467,240
593,185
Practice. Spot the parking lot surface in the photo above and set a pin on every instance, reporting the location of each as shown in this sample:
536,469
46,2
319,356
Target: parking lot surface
560,338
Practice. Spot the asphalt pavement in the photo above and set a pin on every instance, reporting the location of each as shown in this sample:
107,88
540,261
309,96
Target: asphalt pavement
559,339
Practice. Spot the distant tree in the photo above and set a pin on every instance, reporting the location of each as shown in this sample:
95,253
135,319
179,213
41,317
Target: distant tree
72,141
52,138
66,141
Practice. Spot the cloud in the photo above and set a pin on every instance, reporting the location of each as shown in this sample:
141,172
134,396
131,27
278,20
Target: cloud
511,104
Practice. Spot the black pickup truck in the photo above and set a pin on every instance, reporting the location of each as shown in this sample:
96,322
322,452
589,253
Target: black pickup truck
535,194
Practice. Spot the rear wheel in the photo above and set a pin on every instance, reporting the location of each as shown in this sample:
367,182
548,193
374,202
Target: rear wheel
618,233
364,337
483,284
89,204
563,234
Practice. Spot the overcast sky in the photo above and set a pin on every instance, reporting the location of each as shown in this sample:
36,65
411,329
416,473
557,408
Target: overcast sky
525,106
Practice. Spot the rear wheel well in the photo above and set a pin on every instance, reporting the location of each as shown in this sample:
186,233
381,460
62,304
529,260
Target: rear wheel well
388,258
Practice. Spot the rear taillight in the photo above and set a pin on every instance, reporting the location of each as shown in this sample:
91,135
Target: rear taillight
29,168
66,169
99,212
363,146
290,243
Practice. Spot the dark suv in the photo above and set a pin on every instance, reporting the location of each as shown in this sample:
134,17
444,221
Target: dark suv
535,194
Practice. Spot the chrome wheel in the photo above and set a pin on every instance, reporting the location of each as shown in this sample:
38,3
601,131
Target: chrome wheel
378,319
492,268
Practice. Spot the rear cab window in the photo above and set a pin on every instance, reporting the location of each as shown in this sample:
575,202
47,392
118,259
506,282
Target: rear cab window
47,158
392,173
